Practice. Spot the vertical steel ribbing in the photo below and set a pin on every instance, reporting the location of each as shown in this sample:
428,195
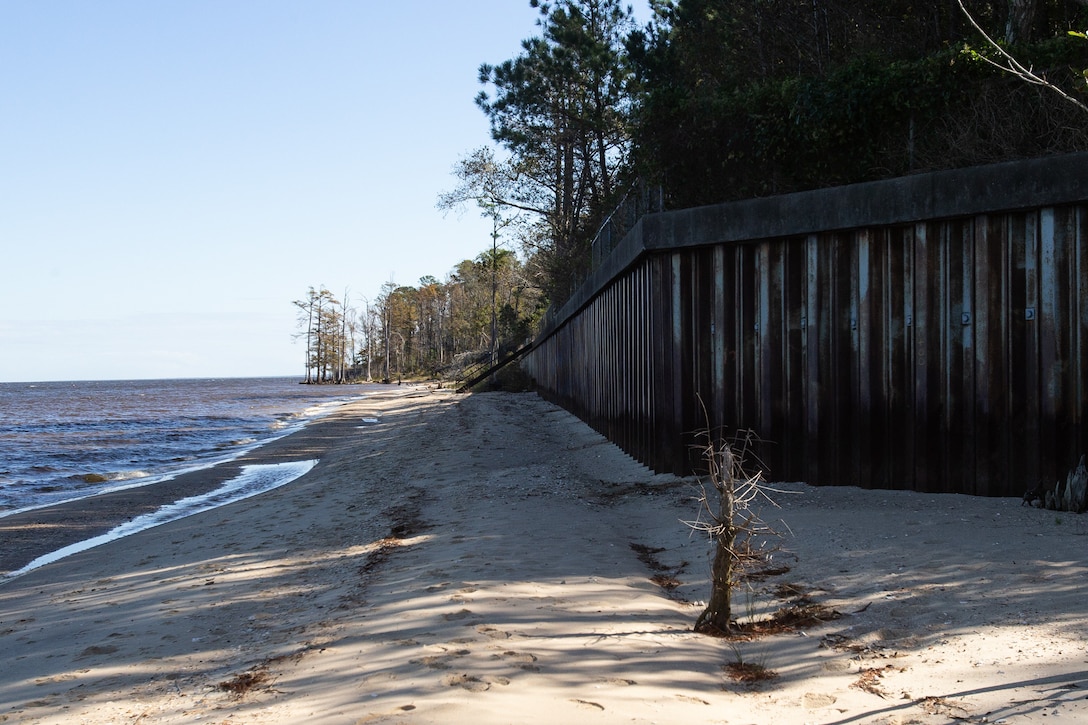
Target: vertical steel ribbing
940,355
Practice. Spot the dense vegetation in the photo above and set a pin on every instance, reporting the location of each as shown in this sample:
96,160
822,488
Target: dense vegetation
772,96
433,329
708,102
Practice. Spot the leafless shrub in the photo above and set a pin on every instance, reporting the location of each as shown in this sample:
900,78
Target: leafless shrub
732,522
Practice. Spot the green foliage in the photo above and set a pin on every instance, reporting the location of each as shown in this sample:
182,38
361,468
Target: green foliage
708,130
421,330
561,111
716,101
1082,36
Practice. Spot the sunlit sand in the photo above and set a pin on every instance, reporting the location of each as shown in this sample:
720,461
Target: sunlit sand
477,559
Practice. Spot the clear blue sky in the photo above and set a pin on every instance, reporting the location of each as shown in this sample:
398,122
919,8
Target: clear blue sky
173,173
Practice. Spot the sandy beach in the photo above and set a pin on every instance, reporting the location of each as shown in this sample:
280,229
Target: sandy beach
490,559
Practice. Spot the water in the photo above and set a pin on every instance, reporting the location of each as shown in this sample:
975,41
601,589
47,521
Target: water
65,440
253,480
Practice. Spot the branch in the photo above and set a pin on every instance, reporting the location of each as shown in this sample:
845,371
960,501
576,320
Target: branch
1012,65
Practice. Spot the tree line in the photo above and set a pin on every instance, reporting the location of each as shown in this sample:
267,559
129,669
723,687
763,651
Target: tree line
712,100
707,102
432,329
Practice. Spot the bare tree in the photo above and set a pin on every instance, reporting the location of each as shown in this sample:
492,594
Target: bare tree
307,308
369,326
491,184
342,341
320,316
733,524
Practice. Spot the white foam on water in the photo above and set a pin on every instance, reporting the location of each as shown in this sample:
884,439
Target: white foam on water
253,480
73,488
142,478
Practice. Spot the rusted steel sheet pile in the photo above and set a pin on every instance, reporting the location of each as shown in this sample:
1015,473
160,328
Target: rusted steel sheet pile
929,332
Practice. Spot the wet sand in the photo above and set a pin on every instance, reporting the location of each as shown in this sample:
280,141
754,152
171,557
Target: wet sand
26,536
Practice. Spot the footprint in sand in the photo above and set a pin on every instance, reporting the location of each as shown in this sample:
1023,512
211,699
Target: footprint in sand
97,651
467,682
492,632
523,660
454,616
618,682
440,662
816,700
435,662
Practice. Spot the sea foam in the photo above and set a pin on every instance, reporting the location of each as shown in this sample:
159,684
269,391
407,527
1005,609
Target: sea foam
253,480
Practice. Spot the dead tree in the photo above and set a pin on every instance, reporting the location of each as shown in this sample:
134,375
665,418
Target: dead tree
735,527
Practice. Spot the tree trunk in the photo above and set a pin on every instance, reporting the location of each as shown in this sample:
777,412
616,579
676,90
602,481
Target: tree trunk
309,339
718,615
1020,21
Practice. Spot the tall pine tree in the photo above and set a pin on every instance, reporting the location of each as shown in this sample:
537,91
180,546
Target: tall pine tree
561,108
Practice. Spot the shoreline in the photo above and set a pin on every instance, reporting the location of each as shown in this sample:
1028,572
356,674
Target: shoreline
29,534
483,558
58,450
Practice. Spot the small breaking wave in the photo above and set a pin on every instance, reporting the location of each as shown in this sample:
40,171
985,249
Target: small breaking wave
128,475
115,477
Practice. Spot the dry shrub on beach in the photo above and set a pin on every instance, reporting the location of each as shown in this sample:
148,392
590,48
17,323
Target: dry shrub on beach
735,527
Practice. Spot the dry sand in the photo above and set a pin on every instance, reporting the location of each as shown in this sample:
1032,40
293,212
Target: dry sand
469,559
